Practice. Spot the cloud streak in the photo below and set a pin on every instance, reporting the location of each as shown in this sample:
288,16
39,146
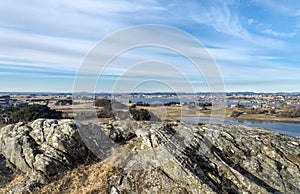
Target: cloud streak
279,34
51,38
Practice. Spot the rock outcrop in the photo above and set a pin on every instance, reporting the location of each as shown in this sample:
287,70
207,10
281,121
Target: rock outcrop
6,171
154,157
185,158
42,149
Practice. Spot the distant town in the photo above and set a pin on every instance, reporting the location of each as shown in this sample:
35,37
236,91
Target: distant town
242,98
240,104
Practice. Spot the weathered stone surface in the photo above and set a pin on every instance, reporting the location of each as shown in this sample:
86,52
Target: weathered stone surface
156,157
189,158
6,171
122,131
42,149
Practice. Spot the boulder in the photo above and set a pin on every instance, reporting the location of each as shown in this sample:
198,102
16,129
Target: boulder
43,148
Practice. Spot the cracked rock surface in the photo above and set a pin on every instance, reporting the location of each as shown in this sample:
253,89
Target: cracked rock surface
186,158
42,149
154,157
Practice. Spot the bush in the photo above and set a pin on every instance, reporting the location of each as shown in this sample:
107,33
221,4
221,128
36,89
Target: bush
140,115
171,103
105,103
109,104
32,112
204,104
235,114
140,103
291,112
105,113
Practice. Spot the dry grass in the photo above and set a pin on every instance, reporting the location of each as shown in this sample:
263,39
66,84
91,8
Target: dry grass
84,179
172,112
16,181
268,117
87,179
2,125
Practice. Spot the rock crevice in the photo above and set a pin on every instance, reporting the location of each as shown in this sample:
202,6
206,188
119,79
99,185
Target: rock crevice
42,149
156,157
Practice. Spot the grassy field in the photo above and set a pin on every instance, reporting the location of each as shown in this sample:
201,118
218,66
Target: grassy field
171,112
268,117
218,111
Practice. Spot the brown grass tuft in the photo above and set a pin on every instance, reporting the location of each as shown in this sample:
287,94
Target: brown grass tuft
18,179
84,179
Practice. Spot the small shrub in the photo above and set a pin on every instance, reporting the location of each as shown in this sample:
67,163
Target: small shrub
140,115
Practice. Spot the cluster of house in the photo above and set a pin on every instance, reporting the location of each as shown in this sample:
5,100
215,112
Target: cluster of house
257,106
6,101
64,102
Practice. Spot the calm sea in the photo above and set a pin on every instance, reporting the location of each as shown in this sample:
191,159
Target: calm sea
288,128
187,100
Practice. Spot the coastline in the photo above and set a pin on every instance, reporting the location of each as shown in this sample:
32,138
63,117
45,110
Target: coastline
173,112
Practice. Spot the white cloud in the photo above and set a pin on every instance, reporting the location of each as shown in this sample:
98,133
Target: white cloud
251,21
42,50
269,57
88,20
58,34
222,19
55,35
279,34
277,6
233,54
297,12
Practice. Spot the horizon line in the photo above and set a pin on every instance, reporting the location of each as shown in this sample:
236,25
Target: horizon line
141,92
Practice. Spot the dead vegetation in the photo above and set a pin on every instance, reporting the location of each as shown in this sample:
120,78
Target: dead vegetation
84,179
18,179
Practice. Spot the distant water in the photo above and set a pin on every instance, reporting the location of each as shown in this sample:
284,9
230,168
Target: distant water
289,128
187,100
161,100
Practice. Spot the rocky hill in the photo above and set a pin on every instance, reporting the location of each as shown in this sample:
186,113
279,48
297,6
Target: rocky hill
49,156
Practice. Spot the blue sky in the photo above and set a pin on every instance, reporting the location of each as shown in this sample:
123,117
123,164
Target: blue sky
255,43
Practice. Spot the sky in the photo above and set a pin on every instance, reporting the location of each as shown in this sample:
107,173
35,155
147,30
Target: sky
255,44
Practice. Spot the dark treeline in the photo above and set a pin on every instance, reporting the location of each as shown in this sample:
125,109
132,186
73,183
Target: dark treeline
111,109
27,113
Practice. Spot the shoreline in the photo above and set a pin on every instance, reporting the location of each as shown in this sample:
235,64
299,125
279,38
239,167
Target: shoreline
245,118
254,117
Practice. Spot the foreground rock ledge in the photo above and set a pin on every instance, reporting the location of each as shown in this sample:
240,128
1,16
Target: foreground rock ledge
42,149
159,157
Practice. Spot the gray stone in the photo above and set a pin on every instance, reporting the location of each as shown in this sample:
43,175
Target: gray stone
162,157
7,171
210,159
42,149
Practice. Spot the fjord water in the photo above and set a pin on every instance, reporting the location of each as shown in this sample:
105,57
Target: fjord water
288,128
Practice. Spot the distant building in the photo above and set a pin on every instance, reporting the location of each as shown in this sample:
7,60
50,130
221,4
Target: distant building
3,104
4,101
6,97
234,106
65,102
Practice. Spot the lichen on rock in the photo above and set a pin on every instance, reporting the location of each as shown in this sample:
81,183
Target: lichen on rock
154,157
43,148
